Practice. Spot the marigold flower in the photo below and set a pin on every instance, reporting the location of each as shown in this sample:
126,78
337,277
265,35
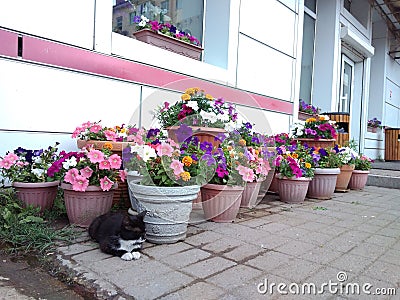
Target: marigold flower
310,120
209,97
185,97
229,148
108,146
307,165
187,161
185,176
295,155
196,89
190,91
242,142
321,118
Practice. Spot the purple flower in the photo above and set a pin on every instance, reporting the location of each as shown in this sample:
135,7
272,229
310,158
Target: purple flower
248,125
221,172
209,159
219,101
136,19
126,154
323,152
220,137
152,132
183,133
206,147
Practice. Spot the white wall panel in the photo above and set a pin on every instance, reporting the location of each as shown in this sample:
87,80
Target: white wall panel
270,22
391,116
69,21
45,99
264,70
392,93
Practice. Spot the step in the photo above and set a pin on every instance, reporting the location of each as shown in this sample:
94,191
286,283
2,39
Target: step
384,178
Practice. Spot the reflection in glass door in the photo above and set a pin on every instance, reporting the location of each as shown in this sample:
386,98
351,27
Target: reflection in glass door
346,84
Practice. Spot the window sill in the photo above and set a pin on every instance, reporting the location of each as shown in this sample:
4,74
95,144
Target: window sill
138,51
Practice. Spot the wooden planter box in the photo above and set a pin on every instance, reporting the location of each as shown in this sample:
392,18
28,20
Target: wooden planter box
392,144
342,120
168,43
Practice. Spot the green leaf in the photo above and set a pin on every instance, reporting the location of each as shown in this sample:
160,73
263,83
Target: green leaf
31,219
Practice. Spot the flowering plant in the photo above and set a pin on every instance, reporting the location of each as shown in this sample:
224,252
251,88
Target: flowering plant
316,128
308,108
197,109
375,123
24,165
163,162
326,158
283,139
363,163
88,167
294,161
346,155
166,29
96,131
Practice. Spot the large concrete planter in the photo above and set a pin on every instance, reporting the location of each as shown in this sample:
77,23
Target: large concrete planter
135,177
167,210
84,207
221,203
322,186
37,194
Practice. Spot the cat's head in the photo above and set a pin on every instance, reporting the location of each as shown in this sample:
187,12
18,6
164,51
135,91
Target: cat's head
133,227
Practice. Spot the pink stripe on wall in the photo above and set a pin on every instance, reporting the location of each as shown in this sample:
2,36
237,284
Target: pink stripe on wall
57,54
8,43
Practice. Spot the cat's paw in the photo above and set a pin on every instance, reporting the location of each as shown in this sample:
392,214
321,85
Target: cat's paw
135,255
127,256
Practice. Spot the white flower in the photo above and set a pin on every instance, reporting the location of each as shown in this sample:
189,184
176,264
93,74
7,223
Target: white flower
209,116
193,105
145,152
224,117
230,126
38,172
69,163
142,23
143,18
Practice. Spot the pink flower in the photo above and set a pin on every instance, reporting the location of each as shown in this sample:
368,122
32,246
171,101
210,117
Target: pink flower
11,157
86,125
95,156
110,135
122,175
115,161
5,163
77,131
177,166
247,174
95,128
106,184
81,183
86,172
104,165
173,143
71,175
164,149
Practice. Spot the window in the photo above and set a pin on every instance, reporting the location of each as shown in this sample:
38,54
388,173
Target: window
185,15
359,9
307,58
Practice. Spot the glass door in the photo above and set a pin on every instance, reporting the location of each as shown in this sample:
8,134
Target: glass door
346,84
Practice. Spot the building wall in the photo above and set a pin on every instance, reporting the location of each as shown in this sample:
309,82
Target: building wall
74,69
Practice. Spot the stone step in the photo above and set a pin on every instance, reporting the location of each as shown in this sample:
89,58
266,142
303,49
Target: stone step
384,178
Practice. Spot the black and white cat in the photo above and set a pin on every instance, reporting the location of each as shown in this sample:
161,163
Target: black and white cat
119,234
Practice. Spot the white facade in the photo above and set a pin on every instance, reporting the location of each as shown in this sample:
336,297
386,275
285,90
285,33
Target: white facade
252,50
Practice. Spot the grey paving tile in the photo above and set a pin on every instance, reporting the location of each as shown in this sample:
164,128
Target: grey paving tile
244,252
351,263
234,277
297,269
166,250
208,267
368,250
321,255
384,271
373,286
381,240
389,231
391,256
155,288
254,223
203,238
295,248
223,245
200,290
78,248
274,227
185,258
270,260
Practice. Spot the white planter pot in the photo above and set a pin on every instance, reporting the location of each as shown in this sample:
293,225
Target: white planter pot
322,186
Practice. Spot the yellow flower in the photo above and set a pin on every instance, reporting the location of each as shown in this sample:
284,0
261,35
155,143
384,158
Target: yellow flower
185,176
123,130
209,97
256,152
196,89
118,128
187,161
108,146
307,165
295,155
321,118
190,91
242,142
309,120
185,97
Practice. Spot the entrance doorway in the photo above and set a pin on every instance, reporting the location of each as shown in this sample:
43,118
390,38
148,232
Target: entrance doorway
346,84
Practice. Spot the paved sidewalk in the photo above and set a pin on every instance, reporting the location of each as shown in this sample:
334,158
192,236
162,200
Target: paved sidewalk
354,236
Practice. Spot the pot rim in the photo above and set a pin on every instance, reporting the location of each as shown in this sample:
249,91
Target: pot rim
361,171
222,187
140,188
293,178
327,171
90,188
35,184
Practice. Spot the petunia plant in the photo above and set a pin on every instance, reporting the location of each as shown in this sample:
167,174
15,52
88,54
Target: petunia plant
88,167
316,128
197,108
96,131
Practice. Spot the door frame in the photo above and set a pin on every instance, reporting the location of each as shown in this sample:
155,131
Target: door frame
346,59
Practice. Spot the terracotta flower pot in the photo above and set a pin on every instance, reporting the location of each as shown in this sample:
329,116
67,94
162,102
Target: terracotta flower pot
293,190
84,207
204,134
358,179
250,193
37,194
221,203
343,178
322,143
322,186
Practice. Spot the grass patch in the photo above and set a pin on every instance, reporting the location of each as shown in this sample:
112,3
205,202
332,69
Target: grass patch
25,230
319,208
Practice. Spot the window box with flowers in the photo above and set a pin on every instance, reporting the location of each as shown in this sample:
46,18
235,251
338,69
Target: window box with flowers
373,125
206,116
168,37
316,132
307,111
